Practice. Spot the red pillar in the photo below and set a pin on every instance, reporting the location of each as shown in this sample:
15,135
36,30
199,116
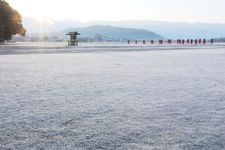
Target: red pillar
160,41
204,41
178,41
191,41
152,41
136,41
200,41
211,41
143,41
196,41
183,41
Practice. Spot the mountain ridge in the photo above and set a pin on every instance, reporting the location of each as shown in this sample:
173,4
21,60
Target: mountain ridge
107,32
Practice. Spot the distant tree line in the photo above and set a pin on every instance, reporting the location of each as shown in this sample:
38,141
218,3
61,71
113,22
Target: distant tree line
10,22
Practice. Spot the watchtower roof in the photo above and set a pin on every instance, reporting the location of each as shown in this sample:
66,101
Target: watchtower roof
73,33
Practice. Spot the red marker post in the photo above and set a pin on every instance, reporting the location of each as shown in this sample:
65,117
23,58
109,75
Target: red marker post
136,41
152,41
143,41
160,41
196,41
211,41
178,41
183,42
204,41
188,41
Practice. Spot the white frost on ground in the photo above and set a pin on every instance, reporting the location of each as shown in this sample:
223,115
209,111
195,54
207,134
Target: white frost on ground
113,100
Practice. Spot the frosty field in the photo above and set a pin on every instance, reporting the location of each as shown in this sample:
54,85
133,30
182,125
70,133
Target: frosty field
157,99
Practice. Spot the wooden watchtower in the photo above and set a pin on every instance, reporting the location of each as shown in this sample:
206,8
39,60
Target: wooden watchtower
73,38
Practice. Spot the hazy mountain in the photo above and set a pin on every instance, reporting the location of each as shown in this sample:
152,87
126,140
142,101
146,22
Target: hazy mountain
179,29
219,39
166,29
111,32
108,33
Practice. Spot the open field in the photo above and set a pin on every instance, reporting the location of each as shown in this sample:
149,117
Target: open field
112,97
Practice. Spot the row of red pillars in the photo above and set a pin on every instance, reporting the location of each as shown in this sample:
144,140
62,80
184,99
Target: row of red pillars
191,41
179,41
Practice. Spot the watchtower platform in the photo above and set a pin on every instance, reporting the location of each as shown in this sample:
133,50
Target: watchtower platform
73,38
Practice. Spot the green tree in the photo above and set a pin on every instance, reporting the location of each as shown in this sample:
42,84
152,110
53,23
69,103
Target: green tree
10,22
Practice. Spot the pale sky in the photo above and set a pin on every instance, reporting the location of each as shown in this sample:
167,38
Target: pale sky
211,11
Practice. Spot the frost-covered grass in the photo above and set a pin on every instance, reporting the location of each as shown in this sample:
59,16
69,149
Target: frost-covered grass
113,100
